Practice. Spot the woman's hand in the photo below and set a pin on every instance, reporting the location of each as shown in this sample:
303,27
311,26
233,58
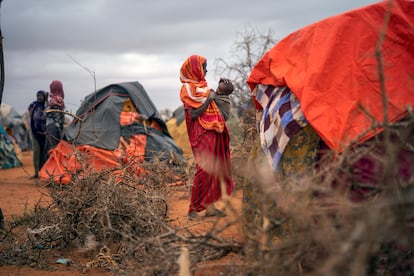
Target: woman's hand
212,95
198,111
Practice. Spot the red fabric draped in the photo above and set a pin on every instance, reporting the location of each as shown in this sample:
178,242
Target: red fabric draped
195,91
208,135
212,158
332,68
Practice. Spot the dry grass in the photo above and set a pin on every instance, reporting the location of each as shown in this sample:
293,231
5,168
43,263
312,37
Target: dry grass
116,222
317,225
312,228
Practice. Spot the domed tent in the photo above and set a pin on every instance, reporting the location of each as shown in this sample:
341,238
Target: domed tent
178,129
115,125
15,122
8,156
332,68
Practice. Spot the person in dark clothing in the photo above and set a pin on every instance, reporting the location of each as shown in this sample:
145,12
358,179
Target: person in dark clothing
38,128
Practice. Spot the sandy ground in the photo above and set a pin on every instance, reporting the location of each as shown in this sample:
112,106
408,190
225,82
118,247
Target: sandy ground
19,193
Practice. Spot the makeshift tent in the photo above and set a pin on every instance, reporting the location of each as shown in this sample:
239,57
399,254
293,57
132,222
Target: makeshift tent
16,125
178,130
9,151
333,69
116,125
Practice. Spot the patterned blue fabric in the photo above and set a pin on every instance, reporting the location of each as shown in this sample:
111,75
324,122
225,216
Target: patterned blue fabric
8,158
282,118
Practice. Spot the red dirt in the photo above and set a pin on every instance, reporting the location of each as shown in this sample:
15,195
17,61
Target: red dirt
19,193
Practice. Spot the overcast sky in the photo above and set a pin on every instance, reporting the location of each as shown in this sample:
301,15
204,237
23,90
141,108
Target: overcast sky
134,40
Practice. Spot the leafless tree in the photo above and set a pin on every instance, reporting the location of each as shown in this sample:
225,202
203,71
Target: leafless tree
247,50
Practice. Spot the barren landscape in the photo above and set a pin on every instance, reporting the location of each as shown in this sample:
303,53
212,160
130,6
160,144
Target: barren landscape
19,194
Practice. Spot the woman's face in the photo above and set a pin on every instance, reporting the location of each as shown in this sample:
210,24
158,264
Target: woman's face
205,68
40,98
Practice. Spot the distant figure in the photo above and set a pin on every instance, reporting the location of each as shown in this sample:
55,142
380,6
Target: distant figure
54,118
209,139
38,129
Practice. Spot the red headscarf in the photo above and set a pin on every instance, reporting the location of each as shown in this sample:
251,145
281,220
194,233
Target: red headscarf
195,91
56,94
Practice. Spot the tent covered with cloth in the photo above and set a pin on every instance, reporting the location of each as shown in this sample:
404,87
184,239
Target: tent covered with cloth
15,124
115,126
339,67
177,127
10,154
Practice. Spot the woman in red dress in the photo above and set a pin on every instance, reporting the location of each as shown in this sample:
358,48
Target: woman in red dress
209,138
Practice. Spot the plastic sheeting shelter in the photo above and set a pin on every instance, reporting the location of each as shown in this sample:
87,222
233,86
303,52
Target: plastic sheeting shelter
10,118
9,158
332,67
116,125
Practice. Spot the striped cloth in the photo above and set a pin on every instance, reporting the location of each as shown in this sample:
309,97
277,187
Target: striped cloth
194,92
213,164
282,118
208,135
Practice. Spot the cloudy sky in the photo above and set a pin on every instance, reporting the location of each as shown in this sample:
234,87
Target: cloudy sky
134,40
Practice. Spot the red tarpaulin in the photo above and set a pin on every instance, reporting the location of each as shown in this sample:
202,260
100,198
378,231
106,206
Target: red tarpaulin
332,68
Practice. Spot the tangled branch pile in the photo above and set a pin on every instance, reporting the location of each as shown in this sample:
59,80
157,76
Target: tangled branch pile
310,225
331,223
117,223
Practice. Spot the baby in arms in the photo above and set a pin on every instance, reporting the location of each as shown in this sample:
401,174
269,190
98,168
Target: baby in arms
223,92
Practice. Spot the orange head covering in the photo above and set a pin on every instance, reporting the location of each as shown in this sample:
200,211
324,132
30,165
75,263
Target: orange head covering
195,91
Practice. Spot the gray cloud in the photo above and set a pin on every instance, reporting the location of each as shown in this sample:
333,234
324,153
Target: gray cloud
130,40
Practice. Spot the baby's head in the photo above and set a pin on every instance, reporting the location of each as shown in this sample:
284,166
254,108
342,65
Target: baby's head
225,87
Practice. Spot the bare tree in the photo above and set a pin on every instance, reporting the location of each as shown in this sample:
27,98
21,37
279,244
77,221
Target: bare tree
247,50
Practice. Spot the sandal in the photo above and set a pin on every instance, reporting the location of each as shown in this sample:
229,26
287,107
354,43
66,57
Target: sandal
193,215
214,212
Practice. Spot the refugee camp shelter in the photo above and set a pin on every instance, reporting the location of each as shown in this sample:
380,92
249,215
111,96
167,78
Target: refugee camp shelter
114,126
16,125
342,68
10,156
177,127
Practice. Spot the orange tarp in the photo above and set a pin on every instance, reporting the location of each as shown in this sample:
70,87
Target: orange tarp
332,68
67,159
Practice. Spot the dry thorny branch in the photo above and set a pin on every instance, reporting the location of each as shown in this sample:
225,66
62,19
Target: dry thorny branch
331,223
313,227
120,223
